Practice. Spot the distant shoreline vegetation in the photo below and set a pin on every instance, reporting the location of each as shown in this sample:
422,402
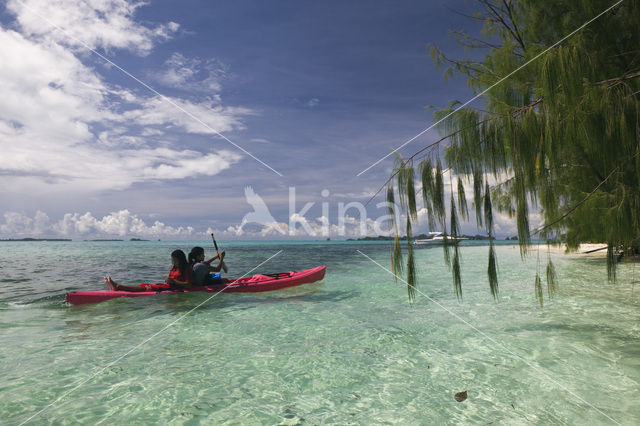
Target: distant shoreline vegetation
36,239
106,239
64,239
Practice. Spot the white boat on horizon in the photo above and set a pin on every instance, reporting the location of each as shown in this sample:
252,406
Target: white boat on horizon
436,239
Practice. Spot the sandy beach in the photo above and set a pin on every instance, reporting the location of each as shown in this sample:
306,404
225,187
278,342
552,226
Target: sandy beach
585,250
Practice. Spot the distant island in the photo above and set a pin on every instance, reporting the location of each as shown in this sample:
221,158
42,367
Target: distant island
36,239
106,240
65,239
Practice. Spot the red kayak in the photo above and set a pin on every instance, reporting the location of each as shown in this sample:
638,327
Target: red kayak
254,283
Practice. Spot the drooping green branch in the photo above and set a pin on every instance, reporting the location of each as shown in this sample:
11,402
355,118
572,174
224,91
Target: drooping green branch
560,136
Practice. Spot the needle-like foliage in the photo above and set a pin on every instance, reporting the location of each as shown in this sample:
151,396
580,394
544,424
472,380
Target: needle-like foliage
560,137
396,254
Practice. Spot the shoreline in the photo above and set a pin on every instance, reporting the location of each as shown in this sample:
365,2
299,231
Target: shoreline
584,250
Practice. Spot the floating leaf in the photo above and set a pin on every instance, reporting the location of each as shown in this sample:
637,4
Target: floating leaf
460,396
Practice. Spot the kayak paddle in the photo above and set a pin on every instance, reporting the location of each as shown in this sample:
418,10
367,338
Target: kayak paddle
224,267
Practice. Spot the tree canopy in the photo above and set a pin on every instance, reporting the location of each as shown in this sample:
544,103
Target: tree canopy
559,136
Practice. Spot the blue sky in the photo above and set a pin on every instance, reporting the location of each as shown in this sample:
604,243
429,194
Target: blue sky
316,90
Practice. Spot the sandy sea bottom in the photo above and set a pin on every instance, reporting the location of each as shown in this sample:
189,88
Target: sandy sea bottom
347,350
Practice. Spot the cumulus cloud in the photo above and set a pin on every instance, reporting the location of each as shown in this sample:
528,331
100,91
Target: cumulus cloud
121,223
64,129
205,117
192,73
16,223
47,90
301,227
95,24
75,225
124,224
186,163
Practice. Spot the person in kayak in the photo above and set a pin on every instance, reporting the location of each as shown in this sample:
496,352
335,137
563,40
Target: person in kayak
180,277
202,268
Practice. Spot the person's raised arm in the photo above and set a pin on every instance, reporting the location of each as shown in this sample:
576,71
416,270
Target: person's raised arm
212,259
218,267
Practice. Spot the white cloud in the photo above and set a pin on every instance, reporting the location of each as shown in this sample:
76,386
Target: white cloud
64,129
178,165
188,115
96,24
119,224
366,194
47,89
15,223
192,73
124,224
306,228
313,102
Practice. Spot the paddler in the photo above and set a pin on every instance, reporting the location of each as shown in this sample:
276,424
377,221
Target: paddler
180,277
202,268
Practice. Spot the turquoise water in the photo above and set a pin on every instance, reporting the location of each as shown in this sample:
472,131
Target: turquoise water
347,350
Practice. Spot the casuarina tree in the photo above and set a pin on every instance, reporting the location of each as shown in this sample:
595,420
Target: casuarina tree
557,133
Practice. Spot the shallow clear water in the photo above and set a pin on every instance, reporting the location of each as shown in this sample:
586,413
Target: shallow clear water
347,350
